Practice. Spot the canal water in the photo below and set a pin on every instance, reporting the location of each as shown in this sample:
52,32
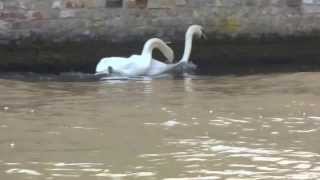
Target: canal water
196,127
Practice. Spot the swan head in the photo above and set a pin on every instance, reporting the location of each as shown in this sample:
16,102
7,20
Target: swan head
196,30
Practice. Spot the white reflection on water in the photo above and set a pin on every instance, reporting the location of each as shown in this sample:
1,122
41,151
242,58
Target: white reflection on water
138,174
284,163
195,178
263,159
72,170
23,171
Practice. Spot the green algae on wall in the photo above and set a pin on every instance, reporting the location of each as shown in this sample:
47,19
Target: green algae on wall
230,25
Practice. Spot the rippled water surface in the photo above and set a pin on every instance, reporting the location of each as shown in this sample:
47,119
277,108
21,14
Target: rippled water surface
202,127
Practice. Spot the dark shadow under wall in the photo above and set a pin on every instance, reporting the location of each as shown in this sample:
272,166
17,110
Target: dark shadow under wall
268,54
215,56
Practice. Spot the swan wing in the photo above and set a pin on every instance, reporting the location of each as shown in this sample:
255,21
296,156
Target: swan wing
157,68
137,65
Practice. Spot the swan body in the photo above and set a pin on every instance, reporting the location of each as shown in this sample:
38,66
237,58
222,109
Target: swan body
135,65
158,68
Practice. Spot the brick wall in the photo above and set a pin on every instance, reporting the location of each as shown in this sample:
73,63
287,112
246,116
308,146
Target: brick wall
122,20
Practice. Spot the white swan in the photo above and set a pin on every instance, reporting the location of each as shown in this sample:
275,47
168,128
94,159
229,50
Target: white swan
135,65
158,67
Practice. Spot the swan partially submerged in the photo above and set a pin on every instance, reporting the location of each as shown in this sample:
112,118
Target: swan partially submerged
135,65
144,65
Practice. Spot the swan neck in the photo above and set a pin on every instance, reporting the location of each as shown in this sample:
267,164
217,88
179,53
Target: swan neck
187,47
148,48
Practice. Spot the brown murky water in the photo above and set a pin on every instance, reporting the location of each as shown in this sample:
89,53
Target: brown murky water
227,127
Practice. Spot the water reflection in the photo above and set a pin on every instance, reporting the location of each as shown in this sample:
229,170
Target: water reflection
250,127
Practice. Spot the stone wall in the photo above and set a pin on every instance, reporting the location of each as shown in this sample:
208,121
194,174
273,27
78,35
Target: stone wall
64,35
121,20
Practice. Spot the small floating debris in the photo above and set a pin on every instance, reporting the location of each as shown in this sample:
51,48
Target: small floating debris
6,108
